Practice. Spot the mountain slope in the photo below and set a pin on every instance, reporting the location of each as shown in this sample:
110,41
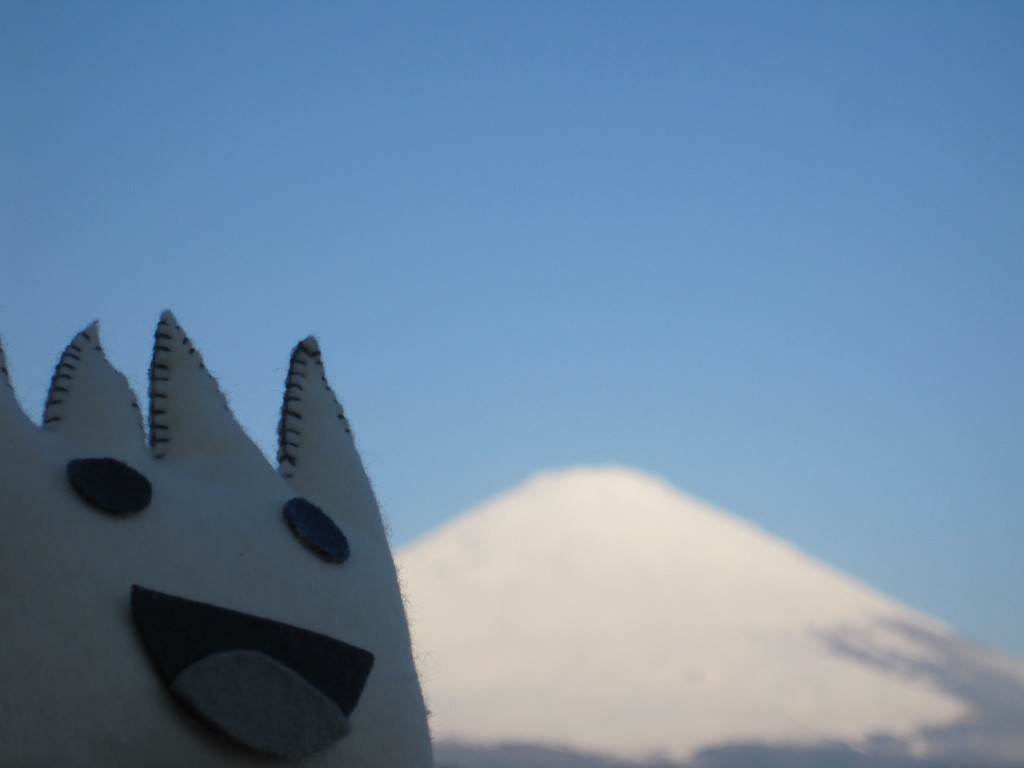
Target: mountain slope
603,610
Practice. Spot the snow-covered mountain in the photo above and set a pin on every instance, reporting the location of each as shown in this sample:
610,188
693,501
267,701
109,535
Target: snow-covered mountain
603,610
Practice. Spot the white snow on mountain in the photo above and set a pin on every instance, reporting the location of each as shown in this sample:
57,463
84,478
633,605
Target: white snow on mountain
604,610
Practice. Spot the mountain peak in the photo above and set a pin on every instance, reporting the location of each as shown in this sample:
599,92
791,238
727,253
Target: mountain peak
602,609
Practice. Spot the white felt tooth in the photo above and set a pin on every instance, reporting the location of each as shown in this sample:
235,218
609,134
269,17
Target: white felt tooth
316,452
13,420
189,420
91,403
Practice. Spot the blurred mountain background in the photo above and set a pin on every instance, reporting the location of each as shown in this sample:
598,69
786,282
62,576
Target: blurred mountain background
598,614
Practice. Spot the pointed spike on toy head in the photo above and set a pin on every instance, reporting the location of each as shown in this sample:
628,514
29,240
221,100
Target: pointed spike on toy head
91,403
316,452
189,419
12,417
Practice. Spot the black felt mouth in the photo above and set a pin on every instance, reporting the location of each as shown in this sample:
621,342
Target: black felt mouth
178,633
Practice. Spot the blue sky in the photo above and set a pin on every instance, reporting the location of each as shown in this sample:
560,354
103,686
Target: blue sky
773,253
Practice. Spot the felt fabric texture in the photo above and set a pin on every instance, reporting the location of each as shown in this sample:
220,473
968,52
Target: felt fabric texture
110,485
78,685
260,704
178,633
316,530
266,685
91,404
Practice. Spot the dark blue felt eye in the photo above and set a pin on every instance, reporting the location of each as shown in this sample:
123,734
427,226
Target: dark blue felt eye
110,485
316,530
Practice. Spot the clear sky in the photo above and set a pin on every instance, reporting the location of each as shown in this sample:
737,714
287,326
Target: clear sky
772,252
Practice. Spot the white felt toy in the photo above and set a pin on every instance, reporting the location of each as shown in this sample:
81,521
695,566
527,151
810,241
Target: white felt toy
182,603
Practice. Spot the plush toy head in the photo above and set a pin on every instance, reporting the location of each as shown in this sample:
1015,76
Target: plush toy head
183,604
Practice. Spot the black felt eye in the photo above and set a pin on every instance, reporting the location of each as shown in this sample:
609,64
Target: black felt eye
316,530
110,485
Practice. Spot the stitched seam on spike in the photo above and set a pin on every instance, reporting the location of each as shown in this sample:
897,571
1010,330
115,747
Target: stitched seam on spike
50,415
158,445
287,449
